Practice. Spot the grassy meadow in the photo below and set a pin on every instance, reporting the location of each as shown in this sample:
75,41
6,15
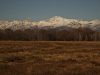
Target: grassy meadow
49,58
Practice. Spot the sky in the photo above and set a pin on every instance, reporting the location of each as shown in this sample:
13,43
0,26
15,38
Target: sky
44,9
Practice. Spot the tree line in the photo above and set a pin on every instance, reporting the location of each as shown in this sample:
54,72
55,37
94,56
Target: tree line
80,34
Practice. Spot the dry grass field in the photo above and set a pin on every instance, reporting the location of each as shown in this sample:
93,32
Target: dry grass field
49,58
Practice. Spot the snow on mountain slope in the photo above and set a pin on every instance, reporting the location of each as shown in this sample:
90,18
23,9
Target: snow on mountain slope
53,22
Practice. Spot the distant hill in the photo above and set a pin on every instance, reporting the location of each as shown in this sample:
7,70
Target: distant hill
54,29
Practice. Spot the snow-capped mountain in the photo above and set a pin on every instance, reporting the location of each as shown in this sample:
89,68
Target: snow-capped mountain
54,22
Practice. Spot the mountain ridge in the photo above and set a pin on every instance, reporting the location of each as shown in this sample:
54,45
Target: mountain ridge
53,22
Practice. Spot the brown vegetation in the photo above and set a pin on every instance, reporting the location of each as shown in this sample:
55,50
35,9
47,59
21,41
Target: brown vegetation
49,58
80,34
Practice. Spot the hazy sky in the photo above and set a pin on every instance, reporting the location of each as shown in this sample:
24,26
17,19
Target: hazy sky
43,9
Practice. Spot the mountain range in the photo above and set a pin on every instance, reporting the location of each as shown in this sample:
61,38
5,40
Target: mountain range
54,22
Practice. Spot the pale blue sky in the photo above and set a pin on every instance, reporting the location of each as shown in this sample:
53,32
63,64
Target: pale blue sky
43,9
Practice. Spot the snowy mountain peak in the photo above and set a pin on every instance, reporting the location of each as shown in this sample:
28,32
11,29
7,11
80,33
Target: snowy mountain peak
54,22
57,18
